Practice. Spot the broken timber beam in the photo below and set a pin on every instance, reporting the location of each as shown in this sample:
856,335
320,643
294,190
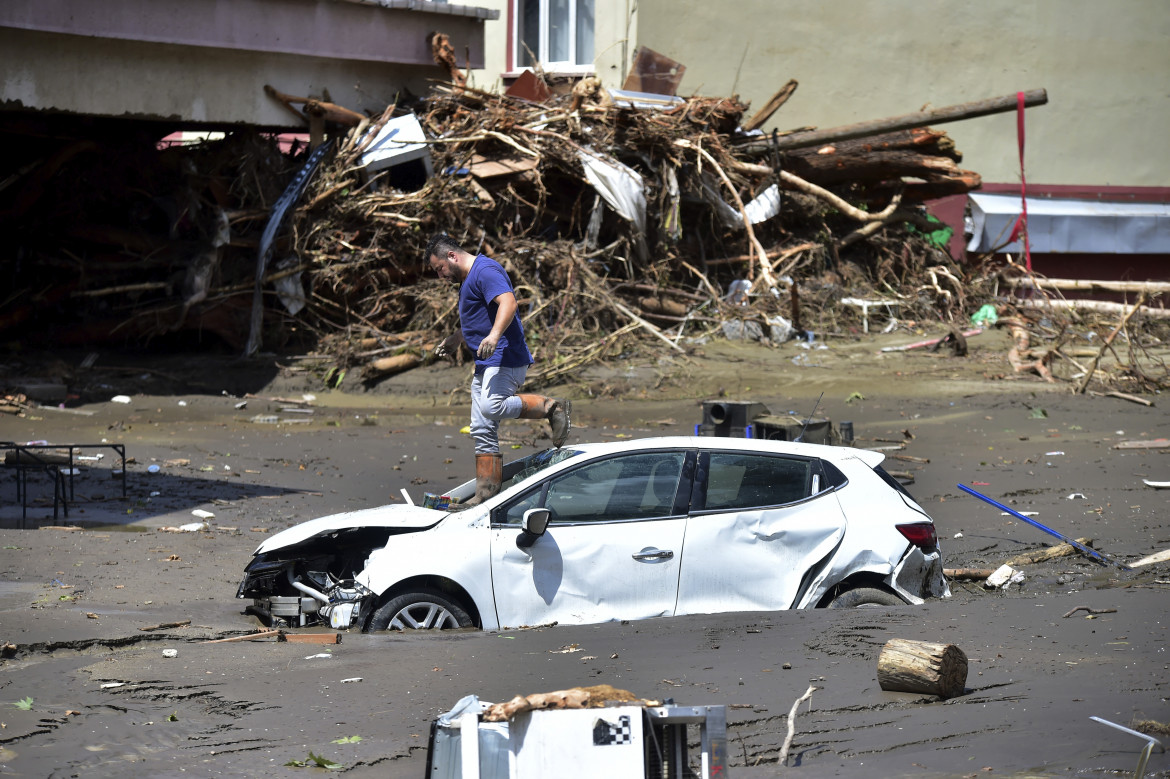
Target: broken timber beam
954,113
771,107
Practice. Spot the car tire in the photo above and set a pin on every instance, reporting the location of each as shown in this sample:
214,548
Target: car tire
865,597
421,610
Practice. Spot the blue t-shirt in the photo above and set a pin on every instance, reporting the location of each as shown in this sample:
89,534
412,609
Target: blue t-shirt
487,281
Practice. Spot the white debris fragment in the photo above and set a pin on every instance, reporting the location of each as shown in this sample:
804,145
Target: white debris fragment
958,535
120,399
112,685
1076,496
323,654
351,679
1005,575
193,527
202,514
170,653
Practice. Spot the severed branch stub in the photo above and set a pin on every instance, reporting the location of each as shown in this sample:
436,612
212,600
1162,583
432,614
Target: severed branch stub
792,723
919,666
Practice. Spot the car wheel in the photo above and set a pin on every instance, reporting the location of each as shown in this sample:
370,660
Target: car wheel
422,610
865,597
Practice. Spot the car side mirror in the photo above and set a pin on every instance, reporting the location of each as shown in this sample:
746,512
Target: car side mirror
532,527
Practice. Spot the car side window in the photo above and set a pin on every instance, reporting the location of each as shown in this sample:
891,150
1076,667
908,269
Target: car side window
514,513
633,486
745,481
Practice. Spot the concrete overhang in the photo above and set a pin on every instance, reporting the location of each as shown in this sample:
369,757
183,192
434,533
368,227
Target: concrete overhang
207,61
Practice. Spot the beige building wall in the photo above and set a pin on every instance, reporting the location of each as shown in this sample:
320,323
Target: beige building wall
1106,66
614,20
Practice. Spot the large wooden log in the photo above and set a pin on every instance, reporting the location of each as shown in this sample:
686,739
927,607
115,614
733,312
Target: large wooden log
1093,306
389,365
860,166
918,666
1049,553
1091,285
954,113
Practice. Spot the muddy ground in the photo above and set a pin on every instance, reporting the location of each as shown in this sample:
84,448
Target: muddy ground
87,691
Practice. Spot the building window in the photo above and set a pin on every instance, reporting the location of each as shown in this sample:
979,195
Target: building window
557,33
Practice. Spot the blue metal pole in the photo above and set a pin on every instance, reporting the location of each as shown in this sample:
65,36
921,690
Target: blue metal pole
1091,552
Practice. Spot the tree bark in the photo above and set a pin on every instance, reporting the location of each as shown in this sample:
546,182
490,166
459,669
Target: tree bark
955,113
1093,306
396,364
918,666
1049,553
1149,287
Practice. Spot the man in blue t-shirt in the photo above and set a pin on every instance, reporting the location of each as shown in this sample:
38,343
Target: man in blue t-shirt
492,329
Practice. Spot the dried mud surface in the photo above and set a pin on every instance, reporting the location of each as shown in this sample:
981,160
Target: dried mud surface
75,602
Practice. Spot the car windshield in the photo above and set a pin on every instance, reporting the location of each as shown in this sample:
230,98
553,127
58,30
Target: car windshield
519,470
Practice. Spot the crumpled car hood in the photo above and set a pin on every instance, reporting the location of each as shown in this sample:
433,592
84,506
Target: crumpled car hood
399,516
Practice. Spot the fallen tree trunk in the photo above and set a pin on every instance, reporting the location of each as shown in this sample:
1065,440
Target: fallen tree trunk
1094,307
955,113
389,365
1089,285
1049,553
918,666
860,167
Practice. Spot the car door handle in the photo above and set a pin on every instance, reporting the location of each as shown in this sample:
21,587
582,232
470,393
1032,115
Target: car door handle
656,554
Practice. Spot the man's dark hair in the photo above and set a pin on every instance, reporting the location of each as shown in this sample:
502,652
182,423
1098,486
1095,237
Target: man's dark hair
439,245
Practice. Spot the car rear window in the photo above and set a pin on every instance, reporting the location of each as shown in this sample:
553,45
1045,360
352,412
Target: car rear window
743,481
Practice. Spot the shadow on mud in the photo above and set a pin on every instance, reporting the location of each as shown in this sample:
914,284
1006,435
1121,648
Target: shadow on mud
95,498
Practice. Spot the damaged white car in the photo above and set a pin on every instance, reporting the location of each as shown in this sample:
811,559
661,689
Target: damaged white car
611,531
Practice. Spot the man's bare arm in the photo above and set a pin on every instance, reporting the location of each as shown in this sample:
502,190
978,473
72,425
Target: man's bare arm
505,310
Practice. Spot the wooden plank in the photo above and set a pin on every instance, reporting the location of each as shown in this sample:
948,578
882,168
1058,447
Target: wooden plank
1157,443
484,168
313,638
1158,557
771,107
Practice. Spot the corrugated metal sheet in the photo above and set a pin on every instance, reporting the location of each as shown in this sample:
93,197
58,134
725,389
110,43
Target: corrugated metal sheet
1059,226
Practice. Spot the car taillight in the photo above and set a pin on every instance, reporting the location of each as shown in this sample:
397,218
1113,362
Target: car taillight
921,534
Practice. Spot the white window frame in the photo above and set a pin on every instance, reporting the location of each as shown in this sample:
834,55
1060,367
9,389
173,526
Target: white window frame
560,66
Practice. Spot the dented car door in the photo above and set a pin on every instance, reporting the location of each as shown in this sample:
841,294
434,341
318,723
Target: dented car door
758,523
612,548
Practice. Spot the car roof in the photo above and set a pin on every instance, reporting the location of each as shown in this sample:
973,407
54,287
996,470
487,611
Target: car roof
835,454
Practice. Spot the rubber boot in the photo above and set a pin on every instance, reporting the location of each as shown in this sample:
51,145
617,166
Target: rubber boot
557,413
489,473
